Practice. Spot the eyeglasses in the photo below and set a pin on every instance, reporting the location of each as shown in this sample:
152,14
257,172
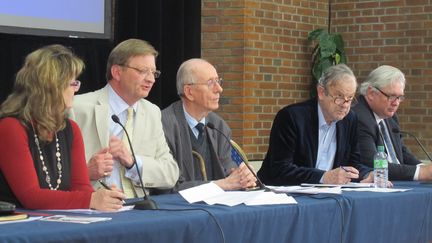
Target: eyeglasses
338,100
391,98
76,84
145,71
210,83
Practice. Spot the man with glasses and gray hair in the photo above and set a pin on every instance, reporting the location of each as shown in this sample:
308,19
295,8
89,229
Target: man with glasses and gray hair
380,97
315,141
131,73
202,152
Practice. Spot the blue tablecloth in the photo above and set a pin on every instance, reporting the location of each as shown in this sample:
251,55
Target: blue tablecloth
350,217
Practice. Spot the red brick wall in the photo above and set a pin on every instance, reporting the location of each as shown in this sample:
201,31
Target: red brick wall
260,48
397,33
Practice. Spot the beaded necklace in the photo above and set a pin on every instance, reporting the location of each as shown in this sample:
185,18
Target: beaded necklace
44,167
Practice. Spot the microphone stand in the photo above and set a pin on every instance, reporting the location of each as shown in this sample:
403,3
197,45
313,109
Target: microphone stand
395,130
260,184
147,203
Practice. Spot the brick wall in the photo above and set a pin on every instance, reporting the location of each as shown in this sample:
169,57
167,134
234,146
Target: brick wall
260,48
397,33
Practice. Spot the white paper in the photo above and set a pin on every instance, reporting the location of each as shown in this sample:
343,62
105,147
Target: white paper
91,211
232,198
306,190
30,218
348,185
373,189
268,198
212,194
74,219
201,192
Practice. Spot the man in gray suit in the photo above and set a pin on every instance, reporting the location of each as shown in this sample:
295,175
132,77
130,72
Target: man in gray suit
199,88
131,73
378,124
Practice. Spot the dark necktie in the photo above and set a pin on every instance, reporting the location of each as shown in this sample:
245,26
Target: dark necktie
388,143
200,128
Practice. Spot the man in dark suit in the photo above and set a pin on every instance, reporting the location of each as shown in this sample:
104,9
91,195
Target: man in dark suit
316,141
380,96
199,87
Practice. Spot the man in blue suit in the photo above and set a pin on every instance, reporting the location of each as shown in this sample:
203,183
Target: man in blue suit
316,141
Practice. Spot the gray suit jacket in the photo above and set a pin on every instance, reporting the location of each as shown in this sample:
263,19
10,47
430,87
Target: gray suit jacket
177,134
369,138
91,112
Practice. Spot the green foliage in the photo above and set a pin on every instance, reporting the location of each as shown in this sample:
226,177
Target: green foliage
328,51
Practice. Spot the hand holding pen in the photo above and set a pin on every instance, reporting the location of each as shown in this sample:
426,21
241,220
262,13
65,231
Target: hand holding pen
111,189
341,175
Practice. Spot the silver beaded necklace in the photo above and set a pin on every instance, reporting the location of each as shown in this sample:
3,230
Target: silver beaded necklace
44,168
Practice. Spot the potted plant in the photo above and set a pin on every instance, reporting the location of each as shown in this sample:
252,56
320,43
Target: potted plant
328,51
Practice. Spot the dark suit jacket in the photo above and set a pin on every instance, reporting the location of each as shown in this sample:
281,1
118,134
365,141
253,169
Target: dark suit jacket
293,148
177,135
369,138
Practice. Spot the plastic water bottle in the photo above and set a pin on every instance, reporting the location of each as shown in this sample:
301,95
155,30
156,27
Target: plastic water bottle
380,168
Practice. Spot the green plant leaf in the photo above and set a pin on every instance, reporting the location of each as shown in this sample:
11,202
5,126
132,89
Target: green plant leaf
327,45
313,35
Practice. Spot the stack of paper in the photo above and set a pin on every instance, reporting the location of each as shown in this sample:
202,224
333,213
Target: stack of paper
211,194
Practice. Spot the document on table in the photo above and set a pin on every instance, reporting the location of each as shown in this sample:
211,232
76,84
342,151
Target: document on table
30,218
90,211
306,190
211,194
373,189
74,219
348,185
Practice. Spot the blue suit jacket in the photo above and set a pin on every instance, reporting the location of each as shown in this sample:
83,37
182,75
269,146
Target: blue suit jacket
293,148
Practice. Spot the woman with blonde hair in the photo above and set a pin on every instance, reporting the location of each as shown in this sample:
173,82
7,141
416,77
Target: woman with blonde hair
42,164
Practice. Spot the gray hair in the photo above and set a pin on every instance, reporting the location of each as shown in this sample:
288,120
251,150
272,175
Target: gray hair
186,74
335,73
382,76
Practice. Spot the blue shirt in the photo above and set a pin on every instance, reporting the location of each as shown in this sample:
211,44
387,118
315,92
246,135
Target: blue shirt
326,143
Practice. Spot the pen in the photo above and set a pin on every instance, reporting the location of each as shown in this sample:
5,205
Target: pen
108,188
343,168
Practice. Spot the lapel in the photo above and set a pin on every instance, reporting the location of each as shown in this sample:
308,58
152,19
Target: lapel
314,134
340,143
101,116
141,123
184,133
394,138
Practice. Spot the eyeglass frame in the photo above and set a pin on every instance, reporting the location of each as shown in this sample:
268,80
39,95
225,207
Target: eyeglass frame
145,71
391,98
210,83
338,100
76,84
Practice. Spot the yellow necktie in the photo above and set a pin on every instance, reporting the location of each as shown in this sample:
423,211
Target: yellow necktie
128,188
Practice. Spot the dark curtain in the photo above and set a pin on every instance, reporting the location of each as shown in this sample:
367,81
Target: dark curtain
173,27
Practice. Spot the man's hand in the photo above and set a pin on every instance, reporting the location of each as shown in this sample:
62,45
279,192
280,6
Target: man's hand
341,175
425,173
239,178
100,164
120,152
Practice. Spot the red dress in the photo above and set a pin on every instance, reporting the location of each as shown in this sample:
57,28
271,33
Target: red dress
18,171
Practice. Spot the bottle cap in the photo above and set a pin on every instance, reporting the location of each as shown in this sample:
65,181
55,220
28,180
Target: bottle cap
380,148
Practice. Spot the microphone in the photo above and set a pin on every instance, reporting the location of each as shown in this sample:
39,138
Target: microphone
212,126
395,130
146,203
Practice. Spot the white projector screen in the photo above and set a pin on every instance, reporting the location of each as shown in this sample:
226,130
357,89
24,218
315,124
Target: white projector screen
62,18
